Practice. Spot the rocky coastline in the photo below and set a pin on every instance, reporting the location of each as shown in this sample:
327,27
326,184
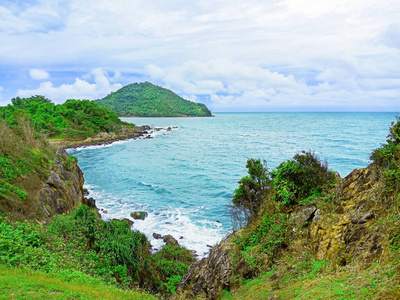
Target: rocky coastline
106,138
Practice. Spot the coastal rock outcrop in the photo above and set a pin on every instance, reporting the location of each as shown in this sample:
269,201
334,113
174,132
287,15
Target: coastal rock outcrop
208,277
340,233
63,190
139,215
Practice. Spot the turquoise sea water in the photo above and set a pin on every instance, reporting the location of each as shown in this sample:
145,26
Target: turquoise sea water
185,177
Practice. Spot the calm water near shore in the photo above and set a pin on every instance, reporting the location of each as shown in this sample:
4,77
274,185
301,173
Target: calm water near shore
185,177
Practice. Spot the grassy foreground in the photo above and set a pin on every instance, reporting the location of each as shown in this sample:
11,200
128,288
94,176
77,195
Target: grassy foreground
20,283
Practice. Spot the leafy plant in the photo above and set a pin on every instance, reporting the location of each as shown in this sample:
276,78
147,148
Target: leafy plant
168,267
387,158
303,176
252,191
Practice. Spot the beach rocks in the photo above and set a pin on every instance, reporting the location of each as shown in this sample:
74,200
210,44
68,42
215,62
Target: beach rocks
157,236
170,240
139,215
89,202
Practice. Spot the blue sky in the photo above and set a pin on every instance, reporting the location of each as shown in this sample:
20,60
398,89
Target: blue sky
252,55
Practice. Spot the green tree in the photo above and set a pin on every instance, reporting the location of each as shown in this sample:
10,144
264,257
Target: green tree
301,177
251,193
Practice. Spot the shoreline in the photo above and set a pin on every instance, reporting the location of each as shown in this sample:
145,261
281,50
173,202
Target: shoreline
106,138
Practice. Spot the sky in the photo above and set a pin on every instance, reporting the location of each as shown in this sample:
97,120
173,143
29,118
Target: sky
252,55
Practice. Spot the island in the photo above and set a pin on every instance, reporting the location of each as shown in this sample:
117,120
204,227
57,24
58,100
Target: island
148,100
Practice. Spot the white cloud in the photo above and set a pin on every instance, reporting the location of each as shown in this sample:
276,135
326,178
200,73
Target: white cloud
80,89
38,74
283,51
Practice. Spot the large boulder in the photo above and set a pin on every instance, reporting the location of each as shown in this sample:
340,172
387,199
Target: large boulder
170,240
139,215
302,215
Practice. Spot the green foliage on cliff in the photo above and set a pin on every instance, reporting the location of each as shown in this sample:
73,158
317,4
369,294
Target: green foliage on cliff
80,244
251,193
74,119
25,162
77,244
148,100
79,241
298,180
387,158
302,177
168,267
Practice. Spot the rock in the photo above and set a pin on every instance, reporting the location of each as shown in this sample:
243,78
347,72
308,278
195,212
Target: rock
89,202
139,215
63,190
362,218
302,214
209,246
169,129
317,216
181,237
170,240
207,278
85,192
157,236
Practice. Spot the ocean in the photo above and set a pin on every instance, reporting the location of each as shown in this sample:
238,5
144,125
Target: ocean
185,178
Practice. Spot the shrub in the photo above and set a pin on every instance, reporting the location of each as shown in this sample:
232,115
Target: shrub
387,158
252,191
168,267
302,177
262,241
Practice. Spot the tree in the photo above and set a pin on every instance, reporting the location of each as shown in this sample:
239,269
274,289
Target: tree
303,176
252,191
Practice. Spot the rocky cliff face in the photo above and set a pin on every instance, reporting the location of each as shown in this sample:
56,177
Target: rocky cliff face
351,229
63,190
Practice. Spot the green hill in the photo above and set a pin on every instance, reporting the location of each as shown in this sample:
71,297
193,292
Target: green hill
149,100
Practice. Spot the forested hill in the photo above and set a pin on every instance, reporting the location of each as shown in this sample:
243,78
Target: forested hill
149,100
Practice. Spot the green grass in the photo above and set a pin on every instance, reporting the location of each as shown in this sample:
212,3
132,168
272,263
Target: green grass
24,283
377,282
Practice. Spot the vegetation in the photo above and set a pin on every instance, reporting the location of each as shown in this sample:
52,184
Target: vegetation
78,246
148,100
290,262
25,283
387,159
72,120
168,267
25,162
81,245
251,193
301,178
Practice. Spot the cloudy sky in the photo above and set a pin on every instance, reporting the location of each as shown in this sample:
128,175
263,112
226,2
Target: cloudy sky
252,55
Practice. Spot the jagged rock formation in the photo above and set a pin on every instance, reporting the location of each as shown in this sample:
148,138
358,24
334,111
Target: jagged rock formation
63,190
354,232
349,231
209,276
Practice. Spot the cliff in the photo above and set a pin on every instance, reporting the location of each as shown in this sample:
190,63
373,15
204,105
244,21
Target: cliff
347,238
63,190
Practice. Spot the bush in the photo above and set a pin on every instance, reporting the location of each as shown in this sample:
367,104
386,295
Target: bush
262,241
251,193
302,177
387,158
168,267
